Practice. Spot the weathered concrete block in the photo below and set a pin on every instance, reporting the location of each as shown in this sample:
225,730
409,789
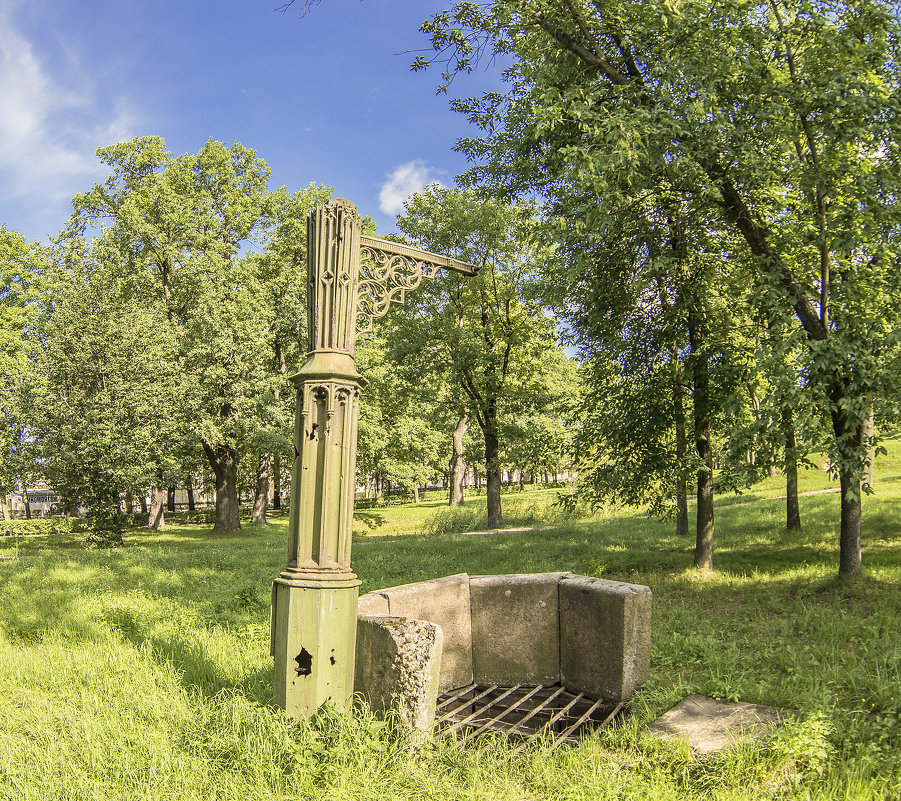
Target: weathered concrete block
372,603
397,668
445,602
515,628
605,636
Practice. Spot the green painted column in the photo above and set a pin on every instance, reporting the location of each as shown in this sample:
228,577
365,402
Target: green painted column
314,600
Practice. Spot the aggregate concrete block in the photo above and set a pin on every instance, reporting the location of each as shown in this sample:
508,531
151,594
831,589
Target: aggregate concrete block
372,603
397,668
710,725
605,636
515,628
445,602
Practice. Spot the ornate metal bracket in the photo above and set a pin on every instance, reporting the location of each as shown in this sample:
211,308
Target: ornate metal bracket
388,270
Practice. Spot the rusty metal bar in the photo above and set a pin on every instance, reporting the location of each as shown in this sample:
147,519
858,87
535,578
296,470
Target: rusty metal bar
492,702
467,702
537,709
455,696
477,708
550,723
497,718
568,731
585,717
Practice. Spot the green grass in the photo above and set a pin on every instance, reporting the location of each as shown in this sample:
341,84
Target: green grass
143,672
533,507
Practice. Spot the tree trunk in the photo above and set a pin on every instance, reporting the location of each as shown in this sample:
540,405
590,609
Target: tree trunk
170,499
792,508
849,434
457,465
4,509
850,561
156,517
224,462
493,475
144,503
415,492
129,503
261,494
189,489
681,450
277,482
701,410
26,503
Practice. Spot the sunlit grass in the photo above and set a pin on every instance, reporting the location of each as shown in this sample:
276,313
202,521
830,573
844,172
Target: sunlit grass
144,671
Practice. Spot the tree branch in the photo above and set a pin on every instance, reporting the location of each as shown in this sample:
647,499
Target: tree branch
567,42
756,237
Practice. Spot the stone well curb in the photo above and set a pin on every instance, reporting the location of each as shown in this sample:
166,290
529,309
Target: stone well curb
418,640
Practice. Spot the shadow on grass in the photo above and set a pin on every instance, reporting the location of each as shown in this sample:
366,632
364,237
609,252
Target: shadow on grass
369,518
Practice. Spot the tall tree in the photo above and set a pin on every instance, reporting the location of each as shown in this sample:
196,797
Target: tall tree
181,226
21,268
104,392
782,116
648,297
400,437
484,332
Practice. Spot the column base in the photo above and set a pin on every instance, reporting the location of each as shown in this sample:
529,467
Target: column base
313,639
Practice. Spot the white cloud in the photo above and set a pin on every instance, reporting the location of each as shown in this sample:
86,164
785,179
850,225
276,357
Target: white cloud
406,180
50,125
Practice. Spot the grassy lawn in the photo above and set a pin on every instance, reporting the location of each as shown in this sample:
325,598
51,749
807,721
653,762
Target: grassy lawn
143,672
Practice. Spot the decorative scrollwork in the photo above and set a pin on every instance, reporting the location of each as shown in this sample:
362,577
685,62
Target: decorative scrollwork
384,279
388,270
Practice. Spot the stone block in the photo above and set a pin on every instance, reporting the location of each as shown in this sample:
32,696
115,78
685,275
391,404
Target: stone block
710,725
605,636
397,668
515,628
445,602
372,603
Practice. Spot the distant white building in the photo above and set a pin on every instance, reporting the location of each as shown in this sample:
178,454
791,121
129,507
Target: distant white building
42,499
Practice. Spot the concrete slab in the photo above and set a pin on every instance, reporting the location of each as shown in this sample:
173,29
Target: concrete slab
710,725
446,603
372,603
605,636
515,628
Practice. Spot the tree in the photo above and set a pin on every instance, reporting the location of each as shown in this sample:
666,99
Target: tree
781,118
649,294
181,227
103,396
398,439
20,274
486,335
539,426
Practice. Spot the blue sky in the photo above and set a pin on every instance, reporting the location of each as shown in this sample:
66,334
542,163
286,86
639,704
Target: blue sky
327,98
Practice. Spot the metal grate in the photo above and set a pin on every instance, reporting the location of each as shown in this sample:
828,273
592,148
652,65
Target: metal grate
523,712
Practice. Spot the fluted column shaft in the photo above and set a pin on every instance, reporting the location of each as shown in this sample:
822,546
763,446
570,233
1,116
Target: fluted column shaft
315,597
